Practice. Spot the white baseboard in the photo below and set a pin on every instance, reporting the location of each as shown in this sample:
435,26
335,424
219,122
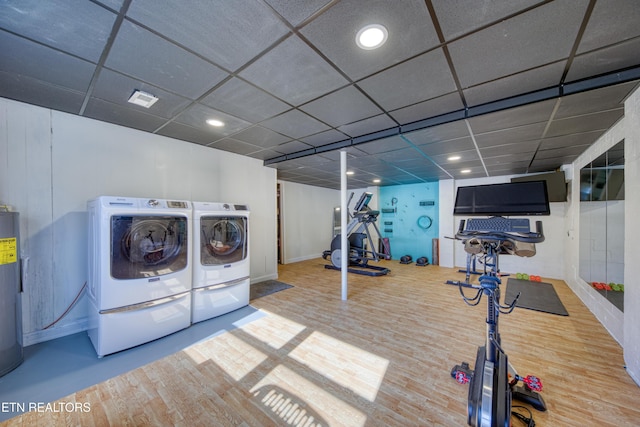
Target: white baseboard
302,258
36,337
264,278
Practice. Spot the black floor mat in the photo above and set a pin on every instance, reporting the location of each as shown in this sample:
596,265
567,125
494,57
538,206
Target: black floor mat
537,296
268,287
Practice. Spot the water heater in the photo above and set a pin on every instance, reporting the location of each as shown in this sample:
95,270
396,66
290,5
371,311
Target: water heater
10,307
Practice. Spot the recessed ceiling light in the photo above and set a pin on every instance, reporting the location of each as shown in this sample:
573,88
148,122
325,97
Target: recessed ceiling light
143,99
214,122
371,36
465,171
376,181
453,158
350,172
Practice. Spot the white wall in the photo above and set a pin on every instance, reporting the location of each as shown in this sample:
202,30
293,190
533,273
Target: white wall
548,261
53,162
307,220
632,235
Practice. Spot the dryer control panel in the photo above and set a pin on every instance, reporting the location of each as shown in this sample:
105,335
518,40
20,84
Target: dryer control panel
177,204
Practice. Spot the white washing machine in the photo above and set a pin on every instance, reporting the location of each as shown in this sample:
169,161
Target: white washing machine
221,267
139,282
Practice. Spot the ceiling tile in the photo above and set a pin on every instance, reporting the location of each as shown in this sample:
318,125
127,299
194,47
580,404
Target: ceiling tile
334,33
297,11
510,149
343,106
521,160
383,145
408,154
588,122
511,135
544,165
264,154
25,58
147,57
366,126
292,147
80,28
246,28
324,138
543,35
113,4
37,92
427,109
466,156
187,133
197,115
517,116
293,72
424,77
117,88
122,115
260,136
458,17
562,153
295,124
604,60
516,84
243,100
508,169
447,131
452,146
578,139
606,27
608,98
234,146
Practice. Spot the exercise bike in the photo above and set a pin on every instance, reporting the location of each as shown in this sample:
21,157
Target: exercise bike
494,383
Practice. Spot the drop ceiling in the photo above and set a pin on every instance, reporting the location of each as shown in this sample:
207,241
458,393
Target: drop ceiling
511,87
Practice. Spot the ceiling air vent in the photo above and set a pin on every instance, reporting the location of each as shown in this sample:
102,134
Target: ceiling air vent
143,99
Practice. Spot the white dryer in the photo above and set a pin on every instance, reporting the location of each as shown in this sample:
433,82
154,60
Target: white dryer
221,268
139,282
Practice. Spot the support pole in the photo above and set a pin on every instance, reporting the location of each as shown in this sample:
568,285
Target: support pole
344,259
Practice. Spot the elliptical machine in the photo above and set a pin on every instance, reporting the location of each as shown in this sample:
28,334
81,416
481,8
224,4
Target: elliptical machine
493,383
358,236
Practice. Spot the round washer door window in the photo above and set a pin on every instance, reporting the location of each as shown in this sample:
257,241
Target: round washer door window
147,246
223,240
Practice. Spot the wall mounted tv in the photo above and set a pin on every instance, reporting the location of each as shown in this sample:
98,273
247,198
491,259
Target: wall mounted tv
556,184
508,199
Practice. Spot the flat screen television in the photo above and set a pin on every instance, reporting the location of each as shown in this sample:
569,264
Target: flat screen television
508,199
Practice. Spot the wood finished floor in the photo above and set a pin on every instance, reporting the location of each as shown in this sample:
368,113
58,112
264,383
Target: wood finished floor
381,358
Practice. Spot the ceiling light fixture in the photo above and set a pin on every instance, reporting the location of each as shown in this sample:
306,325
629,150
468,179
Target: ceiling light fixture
371,36
350,172
465,171
214,122
143,99
453,158
376,181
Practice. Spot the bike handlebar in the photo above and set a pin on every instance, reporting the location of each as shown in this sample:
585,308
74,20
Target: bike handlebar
531,237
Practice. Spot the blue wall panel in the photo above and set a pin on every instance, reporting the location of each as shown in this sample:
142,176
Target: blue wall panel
409,218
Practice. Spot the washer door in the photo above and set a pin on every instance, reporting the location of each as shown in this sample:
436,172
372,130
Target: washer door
147,246
223,240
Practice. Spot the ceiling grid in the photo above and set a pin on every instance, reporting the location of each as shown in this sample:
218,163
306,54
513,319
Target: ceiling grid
514,87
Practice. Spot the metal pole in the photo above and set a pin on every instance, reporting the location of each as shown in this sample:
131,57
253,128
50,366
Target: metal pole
344,260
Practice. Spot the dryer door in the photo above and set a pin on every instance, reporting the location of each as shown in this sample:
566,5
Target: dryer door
223,240
146,246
